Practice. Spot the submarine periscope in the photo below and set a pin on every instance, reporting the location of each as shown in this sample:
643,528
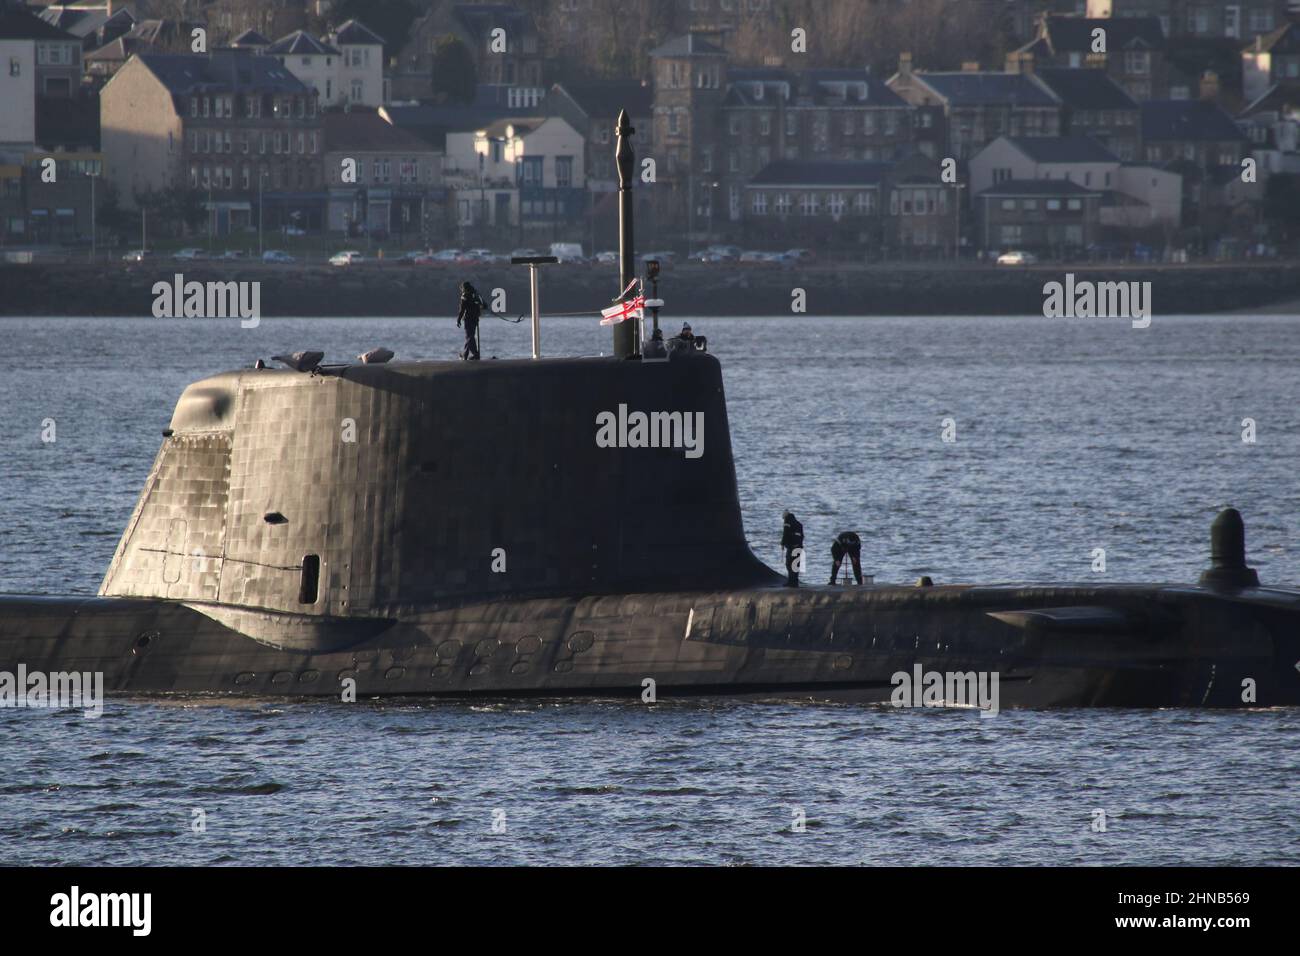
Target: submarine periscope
545,527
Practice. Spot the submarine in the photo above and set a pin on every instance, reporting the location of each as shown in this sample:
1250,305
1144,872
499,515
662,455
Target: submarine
463,529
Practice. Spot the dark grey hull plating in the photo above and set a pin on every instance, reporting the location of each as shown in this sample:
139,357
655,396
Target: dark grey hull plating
441,529
1121,646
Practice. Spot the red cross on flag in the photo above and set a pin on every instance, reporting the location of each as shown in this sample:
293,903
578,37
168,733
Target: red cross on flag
622,311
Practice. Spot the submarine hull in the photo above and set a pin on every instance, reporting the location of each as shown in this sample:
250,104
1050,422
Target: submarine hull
1048,646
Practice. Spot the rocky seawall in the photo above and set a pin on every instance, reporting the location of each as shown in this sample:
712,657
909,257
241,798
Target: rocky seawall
397,289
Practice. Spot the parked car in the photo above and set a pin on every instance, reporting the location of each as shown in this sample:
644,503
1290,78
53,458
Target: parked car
709,257
446,256
1017,258
137,255
277,256
607,258
190,254
568,251
234,254
802,256
524,254
422,259
724,253
293,231
348,258
754,257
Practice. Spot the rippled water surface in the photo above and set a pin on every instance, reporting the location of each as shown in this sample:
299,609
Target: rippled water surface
1070,436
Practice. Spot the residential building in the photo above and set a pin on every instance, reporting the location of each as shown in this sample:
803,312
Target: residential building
772,113
1199,19
361,65
237,126
1054,216
511,58
1134,195
1194,131
978,106
227,19
1272,124
146,36
690,84
1095,105
592,109
380,177
93,24
521,172
1134,50
819,203
1272,59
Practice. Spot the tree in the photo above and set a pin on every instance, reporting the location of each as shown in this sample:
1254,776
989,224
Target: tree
454,75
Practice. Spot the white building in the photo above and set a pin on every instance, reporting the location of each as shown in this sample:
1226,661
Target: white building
522,171
1140,195
345,68
18,94
361,71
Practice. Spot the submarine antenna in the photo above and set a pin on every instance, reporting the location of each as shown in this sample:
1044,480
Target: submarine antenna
1228,554
625,337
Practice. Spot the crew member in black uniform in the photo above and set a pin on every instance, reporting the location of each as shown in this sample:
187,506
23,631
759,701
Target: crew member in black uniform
847,542
792,541
471,307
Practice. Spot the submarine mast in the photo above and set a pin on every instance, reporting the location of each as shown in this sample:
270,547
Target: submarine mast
625,333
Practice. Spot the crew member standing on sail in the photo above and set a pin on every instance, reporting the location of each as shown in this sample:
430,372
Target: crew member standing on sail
846,543
471,307
792,541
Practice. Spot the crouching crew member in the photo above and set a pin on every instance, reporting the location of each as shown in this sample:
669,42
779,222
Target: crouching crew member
846,543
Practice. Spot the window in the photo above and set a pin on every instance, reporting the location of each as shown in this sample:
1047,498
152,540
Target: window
194,106
356,91
864,203
1008,205
782,204
733,161
835,204
1074,205
706,159
810,204
848,124
759,204
674,123
563,172
869,124
1011,236
1053,205
531,171
1030,205
733,125
308,589
764,125
791,124
1137,62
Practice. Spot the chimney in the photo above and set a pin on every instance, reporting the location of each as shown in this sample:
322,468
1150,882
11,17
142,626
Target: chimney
1210,85
970,66
905,65
1018,62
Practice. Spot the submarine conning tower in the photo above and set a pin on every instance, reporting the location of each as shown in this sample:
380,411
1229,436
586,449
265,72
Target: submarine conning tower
373,487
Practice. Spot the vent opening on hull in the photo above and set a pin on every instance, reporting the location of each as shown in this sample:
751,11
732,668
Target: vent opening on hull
307,591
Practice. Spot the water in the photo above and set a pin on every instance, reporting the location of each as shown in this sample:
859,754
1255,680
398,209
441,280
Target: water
1070,436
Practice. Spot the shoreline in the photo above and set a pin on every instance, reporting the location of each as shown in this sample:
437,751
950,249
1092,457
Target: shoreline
395,290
